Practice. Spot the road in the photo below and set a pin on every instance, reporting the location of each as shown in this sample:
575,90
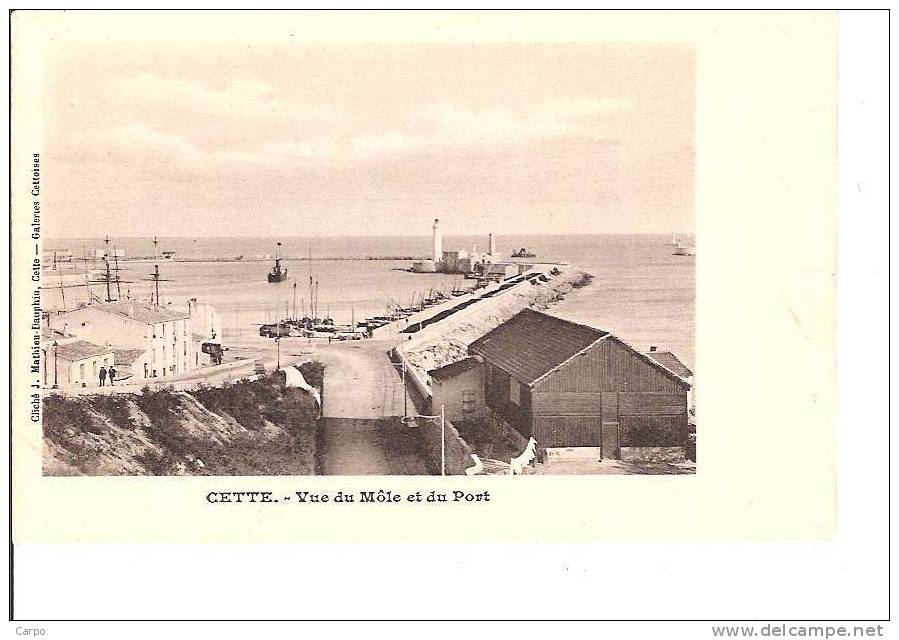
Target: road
362,401
212,376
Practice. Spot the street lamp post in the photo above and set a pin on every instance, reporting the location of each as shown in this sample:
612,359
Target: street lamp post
55,364
410,420
278,349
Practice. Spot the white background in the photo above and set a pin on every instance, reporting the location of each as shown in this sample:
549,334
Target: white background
845,579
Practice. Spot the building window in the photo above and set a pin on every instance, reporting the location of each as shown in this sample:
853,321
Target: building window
146,370
514,391
81,371
468,401
94,368
163,330
185,348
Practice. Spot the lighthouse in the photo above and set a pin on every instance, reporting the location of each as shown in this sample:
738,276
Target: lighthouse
438,242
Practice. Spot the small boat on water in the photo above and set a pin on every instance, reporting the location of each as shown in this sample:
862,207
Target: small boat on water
274,330
278,273
524,252
681,250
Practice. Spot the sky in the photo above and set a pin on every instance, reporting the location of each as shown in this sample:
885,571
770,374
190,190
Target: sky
368,139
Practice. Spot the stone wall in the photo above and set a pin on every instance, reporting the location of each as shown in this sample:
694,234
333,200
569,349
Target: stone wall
497,424
457,452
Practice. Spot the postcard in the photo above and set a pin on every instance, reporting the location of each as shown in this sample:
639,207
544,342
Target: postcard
522,275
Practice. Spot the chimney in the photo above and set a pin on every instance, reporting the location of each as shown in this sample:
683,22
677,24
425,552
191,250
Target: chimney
652,348
491,244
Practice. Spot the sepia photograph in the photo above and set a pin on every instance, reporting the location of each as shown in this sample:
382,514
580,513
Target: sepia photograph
352,259
375,315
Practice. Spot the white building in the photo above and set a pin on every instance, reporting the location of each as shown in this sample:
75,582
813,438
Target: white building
159,341
205,320
69,360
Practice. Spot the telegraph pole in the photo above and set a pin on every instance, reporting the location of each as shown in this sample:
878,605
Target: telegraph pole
442,442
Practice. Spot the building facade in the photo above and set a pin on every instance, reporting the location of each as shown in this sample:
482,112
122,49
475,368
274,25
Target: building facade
76,362
458,388
569,385
162,336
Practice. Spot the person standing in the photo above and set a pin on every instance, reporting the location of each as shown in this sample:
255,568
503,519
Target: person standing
102,376
111,375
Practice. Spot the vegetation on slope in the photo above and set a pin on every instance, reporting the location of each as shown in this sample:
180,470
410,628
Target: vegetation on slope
259,427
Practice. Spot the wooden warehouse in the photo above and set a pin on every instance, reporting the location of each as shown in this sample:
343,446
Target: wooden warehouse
570,385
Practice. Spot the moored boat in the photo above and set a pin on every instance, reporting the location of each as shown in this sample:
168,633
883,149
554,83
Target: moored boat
681,250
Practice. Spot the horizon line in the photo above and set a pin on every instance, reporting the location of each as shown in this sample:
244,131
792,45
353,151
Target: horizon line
415,235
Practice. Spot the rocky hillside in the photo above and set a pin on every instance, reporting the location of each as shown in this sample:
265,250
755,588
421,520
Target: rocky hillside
247,428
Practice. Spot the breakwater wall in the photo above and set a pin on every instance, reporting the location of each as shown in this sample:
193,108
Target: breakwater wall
452,308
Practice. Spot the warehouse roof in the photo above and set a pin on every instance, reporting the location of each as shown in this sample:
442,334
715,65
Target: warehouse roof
454,369
531,344
79,350
141,311
670,362
127,356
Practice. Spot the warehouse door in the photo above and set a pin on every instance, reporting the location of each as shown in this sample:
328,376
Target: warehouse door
610,444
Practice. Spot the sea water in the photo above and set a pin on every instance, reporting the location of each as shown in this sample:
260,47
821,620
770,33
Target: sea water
641,292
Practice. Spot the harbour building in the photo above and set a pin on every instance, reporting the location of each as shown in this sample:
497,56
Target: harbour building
69,360
577,390
157,341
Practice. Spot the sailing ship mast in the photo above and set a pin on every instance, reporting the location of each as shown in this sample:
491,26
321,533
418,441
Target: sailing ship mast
62,291
87,281
155,279
106,260
118,278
